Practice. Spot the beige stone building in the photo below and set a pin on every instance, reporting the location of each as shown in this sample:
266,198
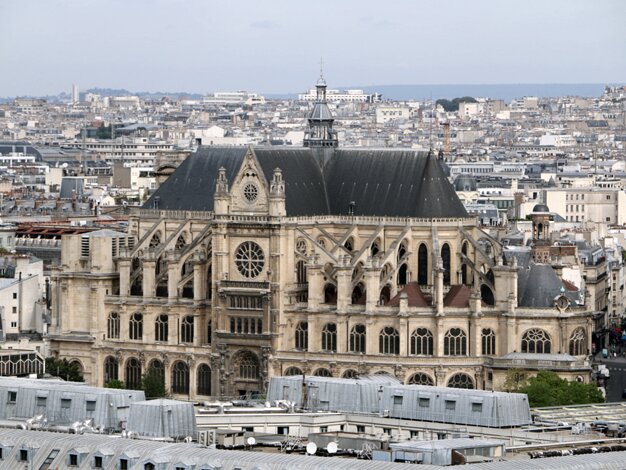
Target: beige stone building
253,262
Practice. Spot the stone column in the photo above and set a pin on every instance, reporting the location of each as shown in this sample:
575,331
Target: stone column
315,338
372,283
403,330
344,284
511,345
563,337
316,283
149,266
438,337
124,265
173,276
199,280
439,291
167,373
342,334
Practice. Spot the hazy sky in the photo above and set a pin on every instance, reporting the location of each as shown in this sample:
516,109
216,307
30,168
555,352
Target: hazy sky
275,46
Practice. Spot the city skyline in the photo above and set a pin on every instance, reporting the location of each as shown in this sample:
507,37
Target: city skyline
275,47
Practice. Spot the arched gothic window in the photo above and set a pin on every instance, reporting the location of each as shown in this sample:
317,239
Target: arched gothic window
110,369
329,337
486,294
180,242
421,342
385,295
293,371
155,240
375,248
136,277
301,277
422,265
578,343
113,326
135,326
389,341
161,327
445,258
402,250
247,365
133,374
358,295
186,329
330,294
203,386
455,342
403,275
322,372
161,277
461,380
488,342
350,374
357,339
302,336
536,341
419,378
180,377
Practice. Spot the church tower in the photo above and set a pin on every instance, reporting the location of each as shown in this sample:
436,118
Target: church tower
541,234
320,132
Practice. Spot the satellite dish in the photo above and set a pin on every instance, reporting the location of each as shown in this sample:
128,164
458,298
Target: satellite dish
332,447
311,448
251,441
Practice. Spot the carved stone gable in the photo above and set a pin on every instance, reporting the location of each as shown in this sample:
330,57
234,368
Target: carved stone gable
249,190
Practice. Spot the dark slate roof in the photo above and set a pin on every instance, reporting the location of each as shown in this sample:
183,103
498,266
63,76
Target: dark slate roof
402,183
538,286
71,187
192,185
321,112
23,147
305,187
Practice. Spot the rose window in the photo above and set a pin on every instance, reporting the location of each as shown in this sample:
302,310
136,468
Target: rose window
250,192
249,259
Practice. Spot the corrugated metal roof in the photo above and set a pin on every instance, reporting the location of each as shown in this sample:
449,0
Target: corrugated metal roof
601,461
140,452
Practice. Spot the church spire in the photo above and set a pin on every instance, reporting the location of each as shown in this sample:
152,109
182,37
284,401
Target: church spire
320,132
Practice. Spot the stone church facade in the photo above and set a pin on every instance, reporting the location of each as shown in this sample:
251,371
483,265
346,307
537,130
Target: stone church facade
253,262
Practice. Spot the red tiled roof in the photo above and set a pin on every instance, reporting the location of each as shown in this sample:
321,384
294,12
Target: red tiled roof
569,286
457,297
415,295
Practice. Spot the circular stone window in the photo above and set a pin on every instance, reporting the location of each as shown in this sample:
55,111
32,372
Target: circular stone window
249,259
250,192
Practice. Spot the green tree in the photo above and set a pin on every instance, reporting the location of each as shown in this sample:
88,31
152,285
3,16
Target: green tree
515,379
548,389
153,384
103,132
64,369
453,105
114,383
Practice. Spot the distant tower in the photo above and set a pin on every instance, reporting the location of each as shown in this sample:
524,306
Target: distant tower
541,234
75,94
320,132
